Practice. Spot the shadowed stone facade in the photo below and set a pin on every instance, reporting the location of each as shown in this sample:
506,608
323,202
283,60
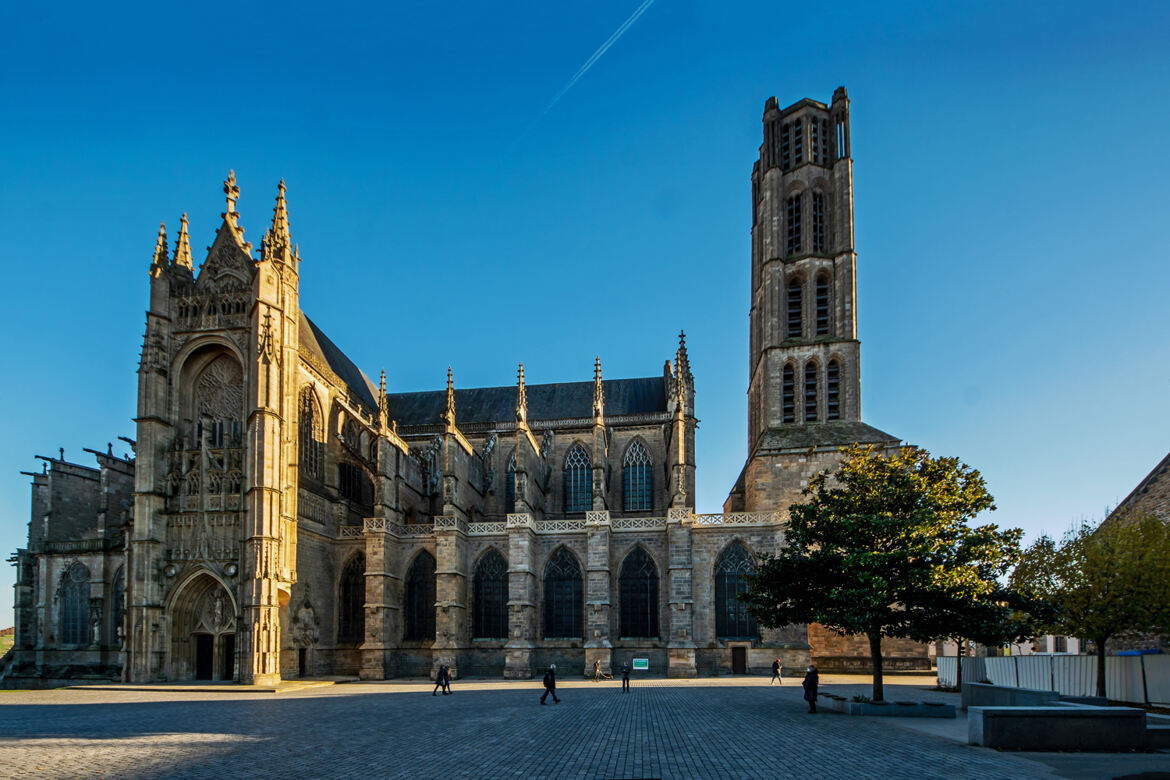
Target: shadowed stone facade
289,517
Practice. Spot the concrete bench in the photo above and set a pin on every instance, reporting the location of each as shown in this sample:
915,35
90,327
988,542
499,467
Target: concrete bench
1058,728
987,695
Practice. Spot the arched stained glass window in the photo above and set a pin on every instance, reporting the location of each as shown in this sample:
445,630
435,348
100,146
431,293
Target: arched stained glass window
74,605
638,587
637,479
312,435
578,480
564,603
732,620
420,598
510,486
833,391
788,394
810,392
351,600
490,610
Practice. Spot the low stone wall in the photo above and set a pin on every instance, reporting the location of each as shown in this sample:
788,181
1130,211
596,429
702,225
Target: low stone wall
890,709
1109,729
987,695
864,664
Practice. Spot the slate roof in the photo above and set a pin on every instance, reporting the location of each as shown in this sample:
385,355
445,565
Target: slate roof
837,433
314,340
562,400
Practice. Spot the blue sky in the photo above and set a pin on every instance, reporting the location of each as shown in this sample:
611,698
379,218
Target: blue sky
1009,173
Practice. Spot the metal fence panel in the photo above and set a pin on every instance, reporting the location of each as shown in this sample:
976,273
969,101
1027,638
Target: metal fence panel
1001,671
1035,672
1075,675
1123,678
1157,678
948,668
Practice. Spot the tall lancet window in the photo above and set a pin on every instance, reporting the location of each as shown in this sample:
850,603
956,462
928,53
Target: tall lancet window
833,391
638,595
564,602
74,605
788,394
351,600
637,470
823,305
420,598
792,214
794,313
312,436
578,480
732,619
810,392
490,607
818,222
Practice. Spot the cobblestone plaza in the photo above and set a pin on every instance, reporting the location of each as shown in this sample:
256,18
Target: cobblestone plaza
705,728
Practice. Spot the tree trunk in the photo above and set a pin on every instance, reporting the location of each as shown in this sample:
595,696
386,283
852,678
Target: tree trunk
1101,665
875,654
960,653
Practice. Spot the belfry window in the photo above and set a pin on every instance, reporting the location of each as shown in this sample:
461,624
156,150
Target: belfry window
818,222
74,605
732,619
312,436
814,132
490,585
792,213
794,313
638,586
351,600
823,305
825,142
637,471
797,142
810,392
564,604
785,148
420,599
578,480
833,391
788,395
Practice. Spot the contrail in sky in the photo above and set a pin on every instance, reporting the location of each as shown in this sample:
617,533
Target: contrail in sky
589,63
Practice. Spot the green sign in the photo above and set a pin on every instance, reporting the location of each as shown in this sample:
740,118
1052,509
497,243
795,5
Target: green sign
641,663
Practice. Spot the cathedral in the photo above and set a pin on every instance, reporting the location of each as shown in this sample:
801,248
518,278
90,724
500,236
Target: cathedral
282,515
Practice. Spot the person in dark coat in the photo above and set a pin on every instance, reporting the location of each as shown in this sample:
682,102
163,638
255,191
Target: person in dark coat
811,680
550,684
440,681
446,679
776,672
625,678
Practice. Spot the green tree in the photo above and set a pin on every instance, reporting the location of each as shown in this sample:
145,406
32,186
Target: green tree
883,548
1102,581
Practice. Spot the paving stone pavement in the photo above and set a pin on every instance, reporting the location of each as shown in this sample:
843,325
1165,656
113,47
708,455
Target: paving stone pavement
720,728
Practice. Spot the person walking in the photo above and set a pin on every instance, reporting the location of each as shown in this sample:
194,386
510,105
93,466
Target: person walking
776,672
440,681
446,679
625,678
596,669
811,680
550,684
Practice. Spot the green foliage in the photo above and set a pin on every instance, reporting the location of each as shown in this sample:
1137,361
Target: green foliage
883,547
861,699
1102,581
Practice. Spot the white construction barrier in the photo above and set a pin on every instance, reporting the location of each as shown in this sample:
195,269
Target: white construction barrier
1134,679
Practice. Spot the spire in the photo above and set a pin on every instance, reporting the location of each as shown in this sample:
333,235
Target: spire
449,415
521,398
278,239
160,262
383,406
682,368
232,191
598,392
183,246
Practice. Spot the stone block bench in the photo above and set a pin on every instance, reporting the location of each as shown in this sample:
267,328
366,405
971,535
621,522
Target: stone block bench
1111,729
896,709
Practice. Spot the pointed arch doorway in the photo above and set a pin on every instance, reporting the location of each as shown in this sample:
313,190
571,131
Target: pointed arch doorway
203,630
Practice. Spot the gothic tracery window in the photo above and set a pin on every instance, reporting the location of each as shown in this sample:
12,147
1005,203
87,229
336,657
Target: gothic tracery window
797,142
794,313
73,606
637,471
822,298
420,598
354,484
490,586
219,399
564,604
351,600
818,222
788,394
638,590
578,480
732,620
792,214
833,391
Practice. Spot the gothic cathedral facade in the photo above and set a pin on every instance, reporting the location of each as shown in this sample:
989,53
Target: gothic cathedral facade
285,516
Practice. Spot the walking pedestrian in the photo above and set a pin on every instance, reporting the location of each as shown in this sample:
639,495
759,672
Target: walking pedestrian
440,681
776,672
596,669
446,679
625,678
550,684
810,683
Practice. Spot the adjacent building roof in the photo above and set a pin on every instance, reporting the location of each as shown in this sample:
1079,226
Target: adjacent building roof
559,401
837,433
